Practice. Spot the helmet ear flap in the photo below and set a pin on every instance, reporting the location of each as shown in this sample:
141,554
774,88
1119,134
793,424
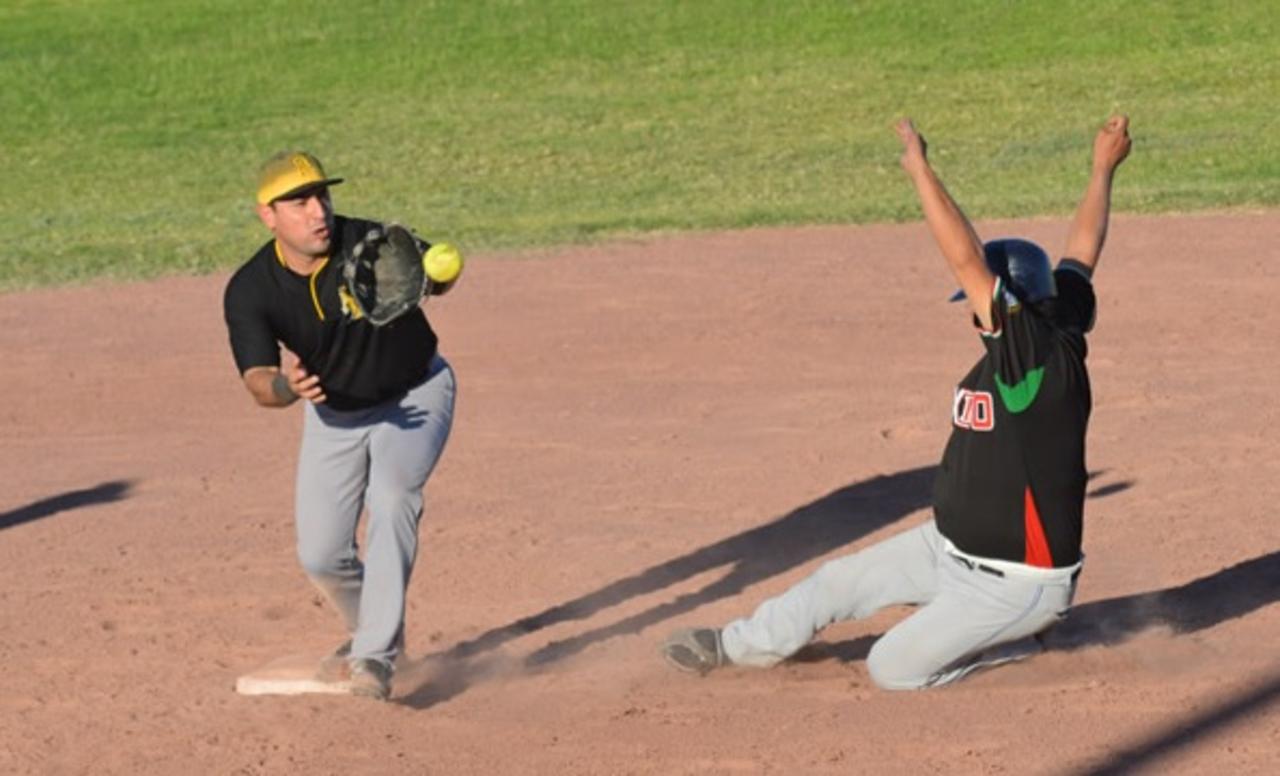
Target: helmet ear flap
1024,267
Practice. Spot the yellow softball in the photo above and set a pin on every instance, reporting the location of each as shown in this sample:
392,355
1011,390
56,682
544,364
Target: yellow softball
442,263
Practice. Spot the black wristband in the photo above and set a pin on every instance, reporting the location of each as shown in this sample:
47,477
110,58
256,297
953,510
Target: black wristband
280,387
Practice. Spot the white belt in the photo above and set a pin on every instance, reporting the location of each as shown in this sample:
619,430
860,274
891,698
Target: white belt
1007,568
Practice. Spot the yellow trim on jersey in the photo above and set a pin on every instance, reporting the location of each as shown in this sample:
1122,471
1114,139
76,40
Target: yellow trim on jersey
315,297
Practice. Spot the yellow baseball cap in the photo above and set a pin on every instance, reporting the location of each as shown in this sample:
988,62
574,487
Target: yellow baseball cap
289,172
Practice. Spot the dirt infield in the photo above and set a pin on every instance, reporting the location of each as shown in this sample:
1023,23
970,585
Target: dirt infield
648,435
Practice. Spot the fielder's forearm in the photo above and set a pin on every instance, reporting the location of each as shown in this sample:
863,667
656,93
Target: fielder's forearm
1089,229
269,387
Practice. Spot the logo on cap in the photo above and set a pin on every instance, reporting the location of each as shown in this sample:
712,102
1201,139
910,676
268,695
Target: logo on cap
304,167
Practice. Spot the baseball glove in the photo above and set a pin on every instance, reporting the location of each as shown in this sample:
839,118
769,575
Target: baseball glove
384,273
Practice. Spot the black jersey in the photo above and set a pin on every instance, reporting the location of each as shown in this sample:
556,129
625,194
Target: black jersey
1012,480
359,365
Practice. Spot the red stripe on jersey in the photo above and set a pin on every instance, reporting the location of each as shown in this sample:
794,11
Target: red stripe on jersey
1037,547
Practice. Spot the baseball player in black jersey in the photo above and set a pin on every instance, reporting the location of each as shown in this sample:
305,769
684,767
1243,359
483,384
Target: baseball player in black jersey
379,408
998,563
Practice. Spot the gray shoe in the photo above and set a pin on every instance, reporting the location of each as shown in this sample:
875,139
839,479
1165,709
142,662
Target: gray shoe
695,650
371,679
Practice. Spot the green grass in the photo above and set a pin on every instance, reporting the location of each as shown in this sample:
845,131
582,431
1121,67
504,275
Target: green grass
132,129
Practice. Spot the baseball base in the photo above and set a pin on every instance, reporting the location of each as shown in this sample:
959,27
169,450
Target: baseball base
295,675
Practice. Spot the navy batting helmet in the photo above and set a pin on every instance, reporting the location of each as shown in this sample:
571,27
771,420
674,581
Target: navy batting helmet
1024,266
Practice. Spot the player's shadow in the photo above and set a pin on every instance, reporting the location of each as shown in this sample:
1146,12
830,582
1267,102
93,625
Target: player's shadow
1201,603
1103,491
835,520
75,499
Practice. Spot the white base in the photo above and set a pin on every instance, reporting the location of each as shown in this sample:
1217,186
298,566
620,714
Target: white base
293,675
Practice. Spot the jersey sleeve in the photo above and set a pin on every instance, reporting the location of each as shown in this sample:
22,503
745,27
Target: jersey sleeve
1075,306
1019,346
248,326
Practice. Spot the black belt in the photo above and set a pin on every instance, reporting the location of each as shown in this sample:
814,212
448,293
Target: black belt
978,567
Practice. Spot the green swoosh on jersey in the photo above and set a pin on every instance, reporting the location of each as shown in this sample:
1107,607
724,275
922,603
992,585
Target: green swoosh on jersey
1018,397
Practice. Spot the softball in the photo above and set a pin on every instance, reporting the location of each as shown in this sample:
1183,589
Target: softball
442,263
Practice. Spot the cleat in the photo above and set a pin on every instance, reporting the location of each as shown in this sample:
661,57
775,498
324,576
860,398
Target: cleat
371,679
694,650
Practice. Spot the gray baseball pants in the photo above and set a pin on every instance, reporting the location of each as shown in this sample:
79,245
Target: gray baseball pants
970,616
379,458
